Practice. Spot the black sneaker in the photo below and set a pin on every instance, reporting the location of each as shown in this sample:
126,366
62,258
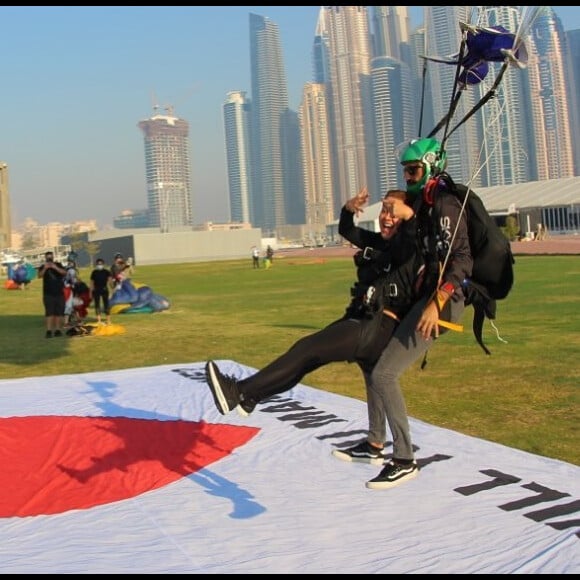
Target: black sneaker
246,407
57,333
223,388
363,452
48,334
393,474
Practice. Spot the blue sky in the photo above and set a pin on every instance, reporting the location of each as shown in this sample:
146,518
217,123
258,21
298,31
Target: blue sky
77,80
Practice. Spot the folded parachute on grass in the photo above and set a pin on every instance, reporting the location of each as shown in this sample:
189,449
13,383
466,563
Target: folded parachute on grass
95,329
130,297
11,285
18,275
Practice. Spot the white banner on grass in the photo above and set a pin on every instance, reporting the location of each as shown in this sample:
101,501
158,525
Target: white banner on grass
135,471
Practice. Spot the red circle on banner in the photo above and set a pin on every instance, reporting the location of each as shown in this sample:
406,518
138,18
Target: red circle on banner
53,464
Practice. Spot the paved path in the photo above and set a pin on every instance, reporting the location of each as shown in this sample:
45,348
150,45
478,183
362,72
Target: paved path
554,245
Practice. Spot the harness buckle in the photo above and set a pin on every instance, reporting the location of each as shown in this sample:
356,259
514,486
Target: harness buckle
368,253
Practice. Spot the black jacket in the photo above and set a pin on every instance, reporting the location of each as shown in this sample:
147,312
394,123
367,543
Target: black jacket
442,231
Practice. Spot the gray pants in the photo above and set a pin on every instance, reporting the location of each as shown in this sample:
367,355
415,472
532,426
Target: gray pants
384,396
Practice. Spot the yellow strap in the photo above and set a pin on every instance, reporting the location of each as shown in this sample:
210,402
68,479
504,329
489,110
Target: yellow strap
450,325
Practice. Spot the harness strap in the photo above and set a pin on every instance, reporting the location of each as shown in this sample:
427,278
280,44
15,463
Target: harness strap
450,325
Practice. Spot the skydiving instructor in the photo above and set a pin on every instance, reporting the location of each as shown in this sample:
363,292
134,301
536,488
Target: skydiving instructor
442,235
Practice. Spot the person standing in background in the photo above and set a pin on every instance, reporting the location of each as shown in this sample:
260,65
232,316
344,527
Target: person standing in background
255,257
52,274
100,280
270,254
118,270
70,280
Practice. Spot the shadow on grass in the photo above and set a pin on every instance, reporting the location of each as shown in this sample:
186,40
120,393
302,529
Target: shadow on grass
23,340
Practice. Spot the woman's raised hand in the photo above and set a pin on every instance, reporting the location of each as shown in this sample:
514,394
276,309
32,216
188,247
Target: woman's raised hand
355,204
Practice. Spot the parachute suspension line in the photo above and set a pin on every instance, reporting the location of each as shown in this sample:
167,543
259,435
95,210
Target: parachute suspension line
515,55
475,173
455,95
492,122
529,16
457,89
446,118
443,266
485,98
510,55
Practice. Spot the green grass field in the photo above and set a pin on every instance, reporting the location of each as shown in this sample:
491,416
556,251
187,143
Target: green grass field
524,395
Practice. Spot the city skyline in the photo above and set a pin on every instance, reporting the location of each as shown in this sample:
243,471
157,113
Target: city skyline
76,88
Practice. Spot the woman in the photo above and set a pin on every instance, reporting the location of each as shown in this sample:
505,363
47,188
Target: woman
356,336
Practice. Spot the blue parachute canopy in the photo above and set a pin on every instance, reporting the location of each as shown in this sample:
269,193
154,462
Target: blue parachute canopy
490,44
485,44
128,297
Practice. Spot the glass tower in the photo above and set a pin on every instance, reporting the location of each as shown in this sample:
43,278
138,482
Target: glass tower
236,112
269,111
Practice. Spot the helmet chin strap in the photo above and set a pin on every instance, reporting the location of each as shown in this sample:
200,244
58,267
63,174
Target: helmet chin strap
429,190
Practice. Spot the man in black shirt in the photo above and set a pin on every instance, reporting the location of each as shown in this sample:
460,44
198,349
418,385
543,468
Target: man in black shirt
101,277
52,274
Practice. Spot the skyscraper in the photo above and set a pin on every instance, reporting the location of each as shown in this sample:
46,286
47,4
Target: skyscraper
167,170
349,95
5,220
393,117
292,169
391,31
550,98
316,157
421,101
393,111
573,57
269,107
320,50
236,111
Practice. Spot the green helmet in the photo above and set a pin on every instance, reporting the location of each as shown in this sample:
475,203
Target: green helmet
426,150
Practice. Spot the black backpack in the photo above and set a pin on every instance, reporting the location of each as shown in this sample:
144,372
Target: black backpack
493,273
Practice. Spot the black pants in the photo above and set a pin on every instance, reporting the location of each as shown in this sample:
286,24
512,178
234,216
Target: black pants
103,295
339,341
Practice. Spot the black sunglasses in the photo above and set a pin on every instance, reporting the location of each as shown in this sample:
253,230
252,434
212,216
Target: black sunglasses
411,169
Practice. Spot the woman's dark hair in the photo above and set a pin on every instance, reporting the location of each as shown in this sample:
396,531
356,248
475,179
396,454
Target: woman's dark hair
398,194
